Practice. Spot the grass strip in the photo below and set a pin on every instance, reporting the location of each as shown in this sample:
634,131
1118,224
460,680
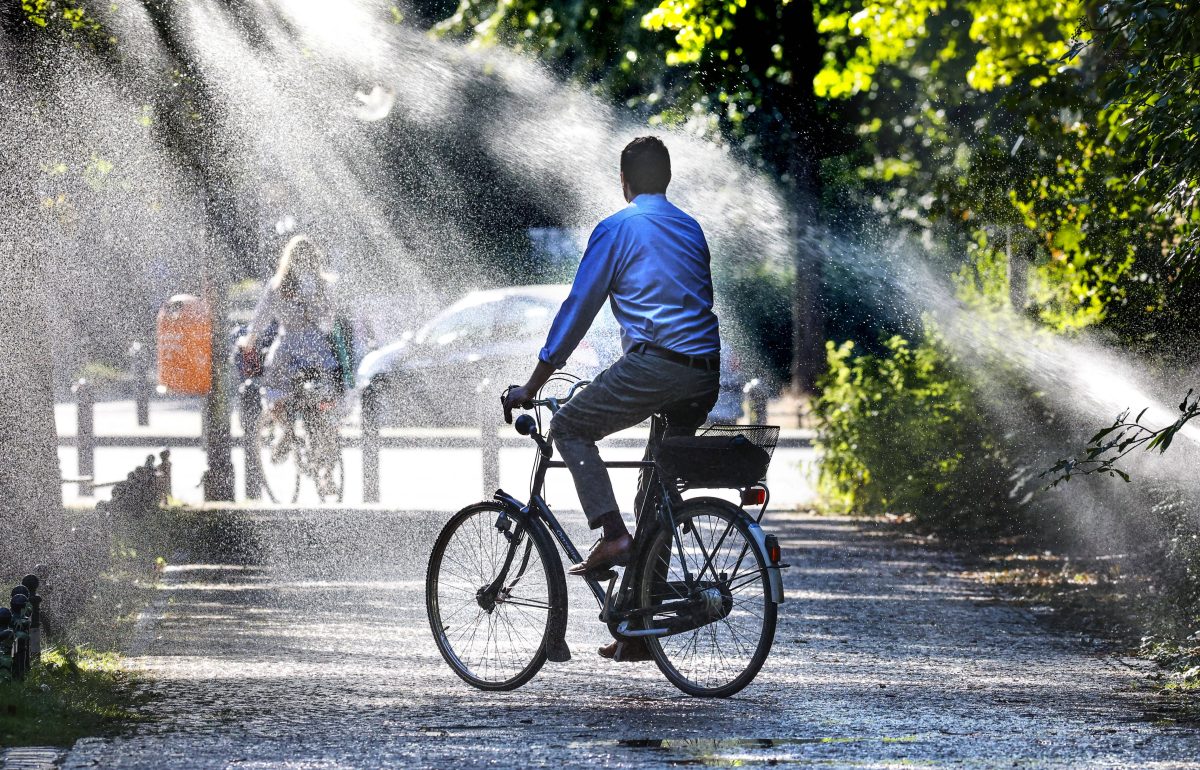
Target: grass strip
71,694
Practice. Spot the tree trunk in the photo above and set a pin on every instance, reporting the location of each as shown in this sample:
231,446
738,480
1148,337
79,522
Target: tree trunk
30,478
1019,254
808,327
808,145
219,476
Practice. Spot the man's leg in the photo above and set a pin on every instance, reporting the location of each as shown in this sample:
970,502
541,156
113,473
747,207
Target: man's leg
620,397
680,418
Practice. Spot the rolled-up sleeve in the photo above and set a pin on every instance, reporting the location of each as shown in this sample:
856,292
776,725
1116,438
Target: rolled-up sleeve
592,284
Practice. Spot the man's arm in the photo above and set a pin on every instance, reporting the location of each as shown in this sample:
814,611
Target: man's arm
591,287
593,281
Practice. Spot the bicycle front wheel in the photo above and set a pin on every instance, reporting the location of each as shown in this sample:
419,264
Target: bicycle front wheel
318,456
721,613
491,591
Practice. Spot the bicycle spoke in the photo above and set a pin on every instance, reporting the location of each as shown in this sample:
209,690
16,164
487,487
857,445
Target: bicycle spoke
751,578
537,624
719,555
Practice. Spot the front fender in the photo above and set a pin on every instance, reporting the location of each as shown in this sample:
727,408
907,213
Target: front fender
556,649
507,500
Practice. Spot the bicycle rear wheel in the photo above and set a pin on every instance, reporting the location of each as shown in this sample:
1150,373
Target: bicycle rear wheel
726,579
490,593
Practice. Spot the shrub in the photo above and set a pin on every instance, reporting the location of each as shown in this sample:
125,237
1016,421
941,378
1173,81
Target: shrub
901,432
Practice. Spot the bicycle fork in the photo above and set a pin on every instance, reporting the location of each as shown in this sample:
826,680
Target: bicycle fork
556,644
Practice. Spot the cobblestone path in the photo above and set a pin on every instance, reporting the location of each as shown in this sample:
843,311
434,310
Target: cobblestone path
321,657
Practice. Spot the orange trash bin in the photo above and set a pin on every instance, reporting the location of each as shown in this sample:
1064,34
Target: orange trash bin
185,345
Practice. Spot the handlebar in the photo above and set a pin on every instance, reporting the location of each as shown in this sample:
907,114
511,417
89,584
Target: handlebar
527,425
553,404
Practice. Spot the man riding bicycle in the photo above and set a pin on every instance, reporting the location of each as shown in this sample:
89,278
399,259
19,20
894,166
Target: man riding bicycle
651,262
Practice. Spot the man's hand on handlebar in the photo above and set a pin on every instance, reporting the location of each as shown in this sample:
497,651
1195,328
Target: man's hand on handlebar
522,395
516,397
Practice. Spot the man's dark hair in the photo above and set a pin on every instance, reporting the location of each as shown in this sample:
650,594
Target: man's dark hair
646,165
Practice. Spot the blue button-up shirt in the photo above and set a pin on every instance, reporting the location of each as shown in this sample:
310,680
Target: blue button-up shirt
651,261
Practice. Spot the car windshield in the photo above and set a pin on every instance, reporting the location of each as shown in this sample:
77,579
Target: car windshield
523,317
465,323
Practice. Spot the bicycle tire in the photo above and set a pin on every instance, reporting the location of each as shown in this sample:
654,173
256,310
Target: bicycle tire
339,475
544,614
263,448
305,467
654,579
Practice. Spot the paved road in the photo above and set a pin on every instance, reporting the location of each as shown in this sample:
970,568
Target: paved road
321,658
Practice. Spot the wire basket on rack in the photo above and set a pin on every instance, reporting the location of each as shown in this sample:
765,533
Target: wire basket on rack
720,456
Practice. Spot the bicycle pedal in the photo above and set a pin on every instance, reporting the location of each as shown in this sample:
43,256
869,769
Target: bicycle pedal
601,575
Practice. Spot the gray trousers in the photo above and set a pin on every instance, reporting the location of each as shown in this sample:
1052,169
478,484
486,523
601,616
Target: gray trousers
637,386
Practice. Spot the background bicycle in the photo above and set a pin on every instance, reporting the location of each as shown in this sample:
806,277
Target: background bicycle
297,445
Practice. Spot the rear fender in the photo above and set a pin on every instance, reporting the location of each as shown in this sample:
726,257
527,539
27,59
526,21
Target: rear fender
774,578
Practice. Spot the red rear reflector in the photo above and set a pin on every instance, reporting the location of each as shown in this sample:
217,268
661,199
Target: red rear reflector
774,553
754,496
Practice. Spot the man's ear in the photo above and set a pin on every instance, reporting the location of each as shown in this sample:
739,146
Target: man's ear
625,189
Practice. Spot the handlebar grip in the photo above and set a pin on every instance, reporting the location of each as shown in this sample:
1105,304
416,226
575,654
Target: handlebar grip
504,404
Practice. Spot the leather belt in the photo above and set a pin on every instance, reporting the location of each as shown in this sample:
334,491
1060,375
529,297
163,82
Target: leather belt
707,363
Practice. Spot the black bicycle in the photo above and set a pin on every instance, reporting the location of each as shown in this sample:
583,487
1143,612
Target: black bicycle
702,588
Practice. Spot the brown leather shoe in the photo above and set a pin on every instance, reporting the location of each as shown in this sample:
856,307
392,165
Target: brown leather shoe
605,554
631,651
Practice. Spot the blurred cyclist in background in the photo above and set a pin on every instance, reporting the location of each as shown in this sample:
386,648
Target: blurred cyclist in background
298,302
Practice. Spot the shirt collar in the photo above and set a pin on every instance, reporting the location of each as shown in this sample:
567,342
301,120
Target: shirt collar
649,199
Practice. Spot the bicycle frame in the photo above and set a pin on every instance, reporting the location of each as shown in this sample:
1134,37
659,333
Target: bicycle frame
537,508
616,617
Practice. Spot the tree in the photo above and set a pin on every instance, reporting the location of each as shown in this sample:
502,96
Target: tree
1151,78
740,72
181,117
30,477
983,118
